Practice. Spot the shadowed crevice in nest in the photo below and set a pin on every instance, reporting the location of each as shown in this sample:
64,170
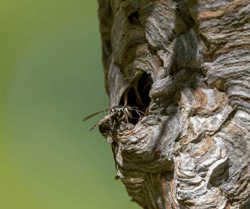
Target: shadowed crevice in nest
137,95
134,18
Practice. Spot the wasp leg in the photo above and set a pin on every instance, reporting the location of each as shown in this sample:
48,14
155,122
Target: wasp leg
140,116
118,119
125,117
134,107
139,111
112,126
110,137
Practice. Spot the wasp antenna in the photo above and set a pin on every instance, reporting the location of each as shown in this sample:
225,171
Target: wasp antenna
92,128
103,120
90,116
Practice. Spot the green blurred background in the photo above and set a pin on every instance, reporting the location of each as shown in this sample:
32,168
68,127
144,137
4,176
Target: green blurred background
51,78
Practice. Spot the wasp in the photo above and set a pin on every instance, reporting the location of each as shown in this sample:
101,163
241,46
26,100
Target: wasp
117,114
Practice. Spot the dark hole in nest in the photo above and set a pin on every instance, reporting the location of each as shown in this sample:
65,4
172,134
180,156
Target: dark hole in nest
134,18
139,99
144,86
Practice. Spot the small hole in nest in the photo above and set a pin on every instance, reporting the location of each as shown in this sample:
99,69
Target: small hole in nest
144,86
134,18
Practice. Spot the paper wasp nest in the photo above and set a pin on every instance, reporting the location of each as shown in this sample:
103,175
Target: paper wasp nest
186,64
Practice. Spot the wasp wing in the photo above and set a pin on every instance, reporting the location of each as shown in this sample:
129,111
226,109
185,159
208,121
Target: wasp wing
103,120
94,114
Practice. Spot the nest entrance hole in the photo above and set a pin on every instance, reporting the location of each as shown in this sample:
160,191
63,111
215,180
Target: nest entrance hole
137,95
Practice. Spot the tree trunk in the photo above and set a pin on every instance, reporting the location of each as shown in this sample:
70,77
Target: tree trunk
186,64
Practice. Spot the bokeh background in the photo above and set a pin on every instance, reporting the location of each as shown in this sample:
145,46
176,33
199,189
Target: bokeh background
51,78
